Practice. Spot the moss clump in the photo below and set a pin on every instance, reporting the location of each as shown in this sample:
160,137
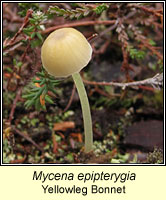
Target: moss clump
155,157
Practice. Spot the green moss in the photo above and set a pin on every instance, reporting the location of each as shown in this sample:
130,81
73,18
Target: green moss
8,154
156,157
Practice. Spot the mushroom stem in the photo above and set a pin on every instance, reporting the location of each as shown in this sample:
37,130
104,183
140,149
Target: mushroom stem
85,110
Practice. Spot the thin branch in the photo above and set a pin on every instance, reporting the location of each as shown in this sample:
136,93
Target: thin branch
156,81
25,22
71,98
27,138
13,48
14,104
106,30
74,24
157,13
116,22
92,36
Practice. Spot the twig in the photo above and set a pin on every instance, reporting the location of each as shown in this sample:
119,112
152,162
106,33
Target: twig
13,48
145,42
106,30
156,81
25,22
74,24
14,104
27,138
158,13
116,22
91,37
25,51
71,98
152,49
102,49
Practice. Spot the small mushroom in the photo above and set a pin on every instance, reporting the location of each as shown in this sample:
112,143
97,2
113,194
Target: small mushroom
64,53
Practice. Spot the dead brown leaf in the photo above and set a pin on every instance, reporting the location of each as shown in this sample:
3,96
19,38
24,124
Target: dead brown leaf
63,126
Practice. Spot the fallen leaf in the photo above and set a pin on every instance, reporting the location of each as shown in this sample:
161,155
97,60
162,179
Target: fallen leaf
16,76
63,126
77,135
7,75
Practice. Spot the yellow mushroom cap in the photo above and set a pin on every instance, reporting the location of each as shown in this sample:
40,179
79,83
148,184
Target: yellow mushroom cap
65,52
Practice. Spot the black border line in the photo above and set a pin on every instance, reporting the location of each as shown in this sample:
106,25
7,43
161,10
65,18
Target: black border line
44,165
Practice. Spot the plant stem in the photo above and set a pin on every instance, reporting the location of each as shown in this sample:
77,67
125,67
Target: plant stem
85,110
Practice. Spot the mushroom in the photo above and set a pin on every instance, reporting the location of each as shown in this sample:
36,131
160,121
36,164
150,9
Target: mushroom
64,53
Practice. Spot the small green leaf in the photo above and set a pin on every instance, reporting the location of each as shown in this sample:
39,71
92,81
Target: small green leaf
32,21
19,64
34,121
35,43
29,29
70,157
40,90
99,9
24,41
43,81
136,54
37,104
9,69
48,99
27,96
38,27
36,89
55,82
52,89
27,33
29,103
39,36
37,81
14,62
40,74
45,91
152,42
33,35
